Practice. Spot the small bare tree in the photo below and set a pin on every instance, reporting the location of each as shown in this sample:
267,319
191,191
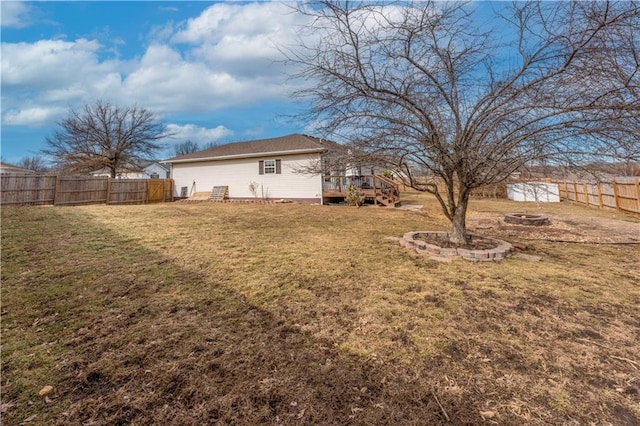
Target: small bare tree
424,86
35,162
104,136
186,147
253,188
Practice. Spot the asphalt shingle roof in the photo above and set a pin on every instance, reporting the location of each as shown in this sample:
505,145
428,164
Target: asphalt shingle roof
10,168
294,142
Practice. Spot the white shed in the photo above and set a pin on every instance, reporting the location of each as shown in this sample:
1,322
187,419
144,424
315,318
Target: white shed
544,192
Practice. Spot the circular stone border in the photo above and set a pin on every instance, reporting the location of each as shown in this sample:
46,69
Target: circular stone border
503,249
527,219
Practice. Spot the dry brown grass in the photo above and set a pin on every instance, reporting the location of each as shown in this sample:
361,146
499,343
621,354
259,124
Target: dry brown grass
264,314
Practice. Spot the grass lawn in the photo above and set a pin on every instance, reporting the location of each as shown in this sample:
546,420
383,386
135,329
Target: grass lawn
193,314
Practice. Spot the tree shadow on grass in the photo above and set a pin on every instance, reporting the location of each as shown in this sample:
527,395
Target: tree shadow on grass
141,340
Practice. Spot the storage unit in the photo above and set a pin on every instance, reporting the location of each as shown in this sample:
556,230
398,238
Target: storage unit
544,192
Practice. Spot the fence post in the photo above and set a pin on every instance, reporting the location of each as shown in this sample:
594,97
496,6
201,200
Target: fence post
586,193
559,190
600,195
638,193
108,190
575,192
615,194
55,190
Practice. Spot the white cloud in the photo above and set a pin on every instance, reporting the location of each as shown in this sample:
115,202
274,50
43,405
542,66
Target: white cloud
48,76
33,116
161,33
51,63
168,83
244,39
14,14
205,26
168,9
229,60
200,135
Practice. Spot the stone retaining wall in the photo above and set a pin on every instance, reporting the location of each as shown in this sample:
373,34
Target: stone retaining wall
502,250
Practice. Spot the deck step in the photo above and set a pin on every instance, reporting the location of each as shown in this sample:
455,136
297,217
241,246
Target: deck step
384,200
219,193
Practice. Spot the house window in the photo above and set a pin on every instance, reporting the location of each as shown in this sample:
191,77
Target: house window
269,167
154,176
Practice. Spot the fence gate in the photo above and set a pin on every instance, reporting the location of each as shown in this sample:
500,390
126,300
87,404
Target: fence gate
155,190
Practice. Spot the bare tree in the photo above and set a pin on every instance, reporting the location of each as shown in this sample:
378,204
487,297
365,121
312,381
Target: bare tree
424,86
36,163
189,147
104,136
186,147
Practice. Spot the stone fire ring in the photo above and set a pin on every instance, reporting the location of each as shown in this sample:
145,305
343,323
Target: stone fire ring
503,249
527,219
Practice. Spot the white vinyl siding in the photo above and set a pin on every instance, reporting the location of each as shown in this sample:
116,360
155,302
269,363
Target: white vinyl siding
239,174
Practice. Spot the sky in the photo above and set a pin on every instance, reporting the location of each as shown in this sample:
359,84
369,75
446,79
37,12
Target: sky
211,72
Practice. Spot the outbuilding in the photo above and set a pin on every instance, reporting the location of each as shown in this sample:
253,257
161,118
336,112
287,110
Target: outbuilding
533,191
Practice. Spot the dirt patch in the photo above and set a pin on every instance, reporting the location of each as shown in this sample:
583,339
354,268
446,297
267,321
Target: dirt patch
563,227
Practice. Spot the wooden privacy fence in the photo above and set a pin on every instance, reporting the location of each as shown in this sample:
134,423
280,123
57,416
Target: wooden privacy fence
621,194
73,191
496,190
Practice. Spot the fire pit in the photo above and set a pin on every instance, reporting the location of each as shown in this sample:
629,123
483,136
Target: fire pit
527,219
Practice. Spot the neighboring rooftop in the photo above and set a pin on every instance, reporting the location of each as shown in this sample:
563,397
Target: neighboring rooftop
10,168
283,144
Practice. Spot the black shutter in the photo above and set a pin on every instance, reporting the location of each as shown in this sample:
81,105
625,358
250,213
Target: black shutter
278,167
261,167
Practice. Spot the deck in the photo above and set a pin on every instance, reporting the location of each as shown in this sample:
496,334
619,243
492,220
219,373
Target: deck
375,188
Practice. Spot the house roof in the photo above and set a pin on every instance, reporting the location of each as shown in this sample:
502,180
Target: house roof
290,144
148,163
143,165
10,168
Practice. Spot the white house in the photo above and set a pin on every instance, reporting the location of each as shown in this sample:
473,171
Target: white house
276,168
287,167
10,168
149,170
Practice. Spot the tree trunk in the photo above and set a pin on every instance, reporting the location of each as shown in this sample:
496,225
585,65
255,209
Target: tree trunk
113,173
459,221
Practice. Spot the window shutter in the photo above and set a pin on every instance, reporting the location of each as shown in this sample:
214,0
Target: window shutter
261,167
278,167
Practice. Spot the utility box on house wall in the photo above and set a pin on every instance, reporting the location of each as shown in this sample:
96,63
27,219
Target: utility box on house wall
534,191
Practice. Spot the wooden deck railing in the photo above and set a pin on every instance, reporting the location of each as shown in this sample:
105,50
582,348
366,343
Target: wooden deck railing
377,188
